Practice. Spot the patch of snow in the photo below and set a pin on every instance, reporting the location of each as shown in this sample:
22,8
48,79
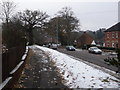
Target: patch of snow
27,47
5,82
113,53
44,69
24,56
16,68
26,50
78,49
78,74
45,61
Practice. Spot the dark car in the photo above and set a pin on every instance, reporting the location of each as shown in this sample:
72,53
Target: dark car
94,50
70,48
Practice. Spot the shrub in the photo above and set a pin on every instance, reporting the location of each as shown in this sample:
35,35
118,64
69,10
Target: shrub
114,61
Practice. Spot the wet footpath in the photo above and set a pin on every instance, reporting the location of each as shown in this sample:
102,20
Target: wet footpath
39,72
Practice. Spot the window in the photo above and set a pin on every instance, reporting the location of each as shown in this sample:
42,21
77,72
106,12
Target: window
117,44
112,44
116,34
113,35
108,44
107,35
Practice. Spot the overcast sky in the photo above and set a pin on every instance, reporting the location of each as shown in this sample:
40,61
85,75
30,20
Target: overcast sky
92,14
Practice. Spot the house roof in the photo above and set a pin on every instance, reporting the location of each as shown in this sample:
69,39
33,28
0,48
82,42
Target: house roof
115,27
85,35
85,38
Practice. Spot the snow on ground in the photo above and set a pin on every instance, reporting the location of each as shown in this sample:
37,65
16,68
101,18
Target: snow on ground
77,74
5,82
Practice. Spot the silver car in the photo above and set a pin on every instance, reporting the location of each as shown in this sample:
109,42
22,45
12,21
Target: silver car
95,50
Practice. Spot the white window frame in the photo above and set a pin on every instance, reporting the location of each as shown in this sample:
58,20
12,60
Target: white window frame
113,44
116,34
107,35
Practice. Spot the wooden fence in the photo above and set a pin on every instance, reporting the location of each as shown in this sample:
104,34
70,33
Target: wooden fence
10,59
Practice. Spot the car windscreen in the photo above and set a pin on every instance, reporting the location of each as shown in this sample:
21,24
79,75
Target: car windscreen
95,48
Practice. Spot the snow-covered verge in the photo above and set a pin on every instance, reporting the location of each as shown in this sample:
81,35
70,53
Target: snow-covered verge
77,74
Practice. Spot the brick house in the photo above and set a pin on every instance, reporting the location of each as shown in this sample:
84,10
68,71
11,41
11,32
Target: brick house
84,39
112,36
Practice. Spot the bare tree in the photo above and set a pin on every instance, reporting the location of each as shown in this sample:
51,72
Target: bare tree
69,22
8,8
31,20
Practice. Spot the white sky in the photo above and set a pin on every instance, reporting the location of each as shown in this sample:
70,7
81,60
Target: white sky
93,14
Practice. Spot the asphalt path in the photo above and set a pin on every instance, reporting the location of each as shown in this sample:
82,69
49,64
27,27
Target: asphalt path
89,57
40,72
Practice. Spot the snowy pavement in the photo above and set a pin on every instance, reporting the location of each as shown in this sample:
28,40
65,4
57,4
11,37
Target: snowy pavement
77,74
39,72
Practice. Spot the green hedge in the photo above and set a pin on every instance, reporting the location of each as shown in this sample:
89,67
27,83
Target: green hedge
87,46
107,48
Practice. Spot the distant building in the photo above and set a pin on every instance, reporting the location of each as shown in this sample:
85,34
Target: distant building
112,36
84,39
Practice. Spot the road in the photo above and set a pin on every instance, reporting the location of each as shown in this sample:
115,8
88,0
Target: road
92,58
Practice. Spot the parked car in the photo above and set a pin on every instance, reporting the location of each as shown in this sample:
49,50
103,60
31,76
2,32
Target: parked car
54,46
94,50
70,48
46,45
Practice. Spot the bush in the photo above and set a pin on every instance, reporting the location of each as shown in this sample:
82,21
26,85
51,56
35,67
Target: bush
107,48
88,46
114,61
